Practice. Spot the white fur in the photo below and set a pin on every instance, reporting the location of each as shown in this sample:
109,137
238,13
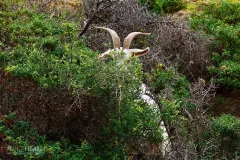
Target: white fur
122,54
165,147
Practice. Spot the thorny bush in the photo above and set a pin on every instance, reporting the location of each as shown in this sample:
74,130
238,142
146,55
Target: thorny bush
172,43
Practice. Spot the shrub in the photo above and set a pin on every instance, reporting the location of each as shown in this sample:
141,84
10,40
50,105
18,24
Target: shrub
22,141
169,78
171,6
181,103
164,6
224,137
155,5
221,21
43,73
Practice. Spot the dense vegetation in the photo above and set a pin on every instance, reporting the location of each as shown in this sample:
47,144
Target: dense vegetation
221,20
49,53
59,101
164,6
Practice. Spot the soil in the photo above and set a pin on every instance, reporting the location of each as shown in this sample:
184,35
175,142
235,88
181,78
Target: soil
228,103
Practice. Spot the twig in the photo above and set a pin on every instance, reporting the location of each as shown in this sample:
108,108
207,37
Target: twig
87,25
97,9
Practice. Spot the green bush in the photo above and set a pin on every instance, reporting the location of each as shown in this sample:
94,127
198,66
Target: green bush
171,6
178,88
45,50
224,10
221,21
49,52
225,136
164,6
23,142
169,78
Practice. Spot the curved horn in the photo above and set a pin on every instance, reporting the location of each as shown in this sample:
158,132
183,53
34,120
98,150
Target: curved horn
127,41
115,38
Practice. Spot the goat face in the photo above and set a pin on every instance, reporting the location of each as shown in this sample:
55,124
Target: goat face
122,53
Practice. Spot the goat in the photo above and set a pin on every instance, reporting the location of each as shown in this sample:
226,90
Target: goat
124,53
125,50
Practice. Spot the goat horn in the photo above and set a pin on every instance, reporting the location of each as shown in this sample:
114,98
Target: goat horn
128,40
115,38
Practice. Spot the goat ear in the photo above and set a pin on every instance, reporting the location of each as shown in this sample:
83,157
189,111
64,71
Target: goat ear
139,52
